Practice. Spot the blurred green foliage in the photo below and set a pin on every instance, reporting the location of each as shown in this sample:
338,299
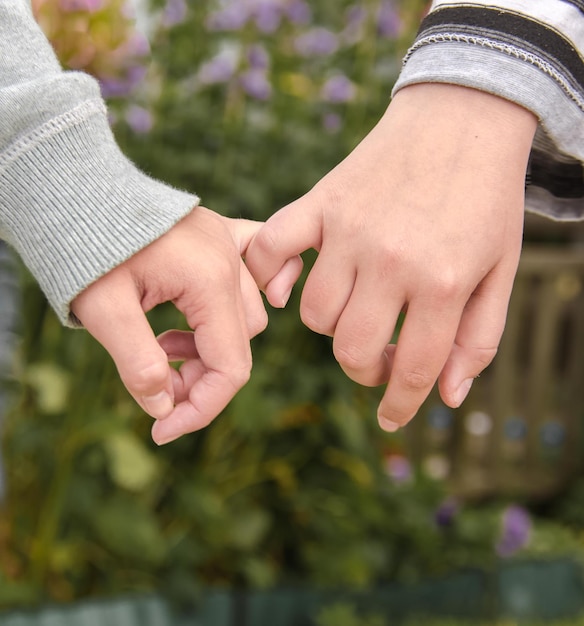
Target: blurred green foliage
291,483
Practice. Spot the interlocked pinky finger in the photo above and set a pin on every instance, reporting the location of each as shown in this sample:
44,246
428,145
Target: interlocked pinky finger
179,345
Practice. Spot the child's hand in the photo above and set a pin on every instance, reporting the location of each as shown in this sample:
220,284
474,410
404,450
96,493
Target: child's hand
197,265
425,216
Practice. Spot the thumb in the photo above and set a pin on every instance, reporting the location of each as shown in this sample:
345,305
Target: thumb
273,254
110,310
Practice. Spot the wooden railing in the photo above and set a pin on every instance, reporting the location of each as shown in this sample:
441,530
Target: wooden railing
519,433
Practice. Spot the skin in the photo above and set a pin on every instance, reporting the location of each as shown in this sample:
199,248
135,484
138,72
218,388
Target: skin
425,216
198,266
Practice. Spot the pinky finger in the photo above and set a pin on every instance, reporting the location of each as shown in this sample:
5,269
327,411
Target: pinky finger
280,287
179,345
477,340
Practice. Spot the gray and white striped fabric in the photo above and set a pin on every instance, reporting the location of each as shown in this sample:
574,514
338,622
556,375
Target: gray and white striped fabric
529,52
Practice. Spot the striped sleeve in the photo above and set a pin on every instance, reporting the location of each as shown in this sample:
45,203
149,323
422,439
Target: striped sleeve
529,52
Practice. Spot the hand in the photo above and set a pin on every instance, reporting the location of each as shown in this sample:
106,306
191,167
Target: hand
424,217
197,265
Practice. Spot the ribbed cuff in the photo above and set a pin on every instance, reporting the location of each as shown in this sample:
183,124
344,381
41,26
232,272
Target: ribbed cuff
75,207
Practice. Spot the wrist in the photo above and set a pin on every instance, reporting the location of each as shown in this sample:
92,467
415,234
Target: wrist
464,122
480,116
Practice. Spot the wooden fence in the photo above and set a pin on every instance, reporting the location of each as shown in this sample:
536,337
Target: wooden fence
519,433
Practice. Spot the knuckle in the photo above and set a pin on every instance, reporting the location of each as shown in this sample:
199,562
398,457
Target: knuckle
483,357
268,238
389,259
239,376
258,323
351,356
415,379
315,310
146,378
447,285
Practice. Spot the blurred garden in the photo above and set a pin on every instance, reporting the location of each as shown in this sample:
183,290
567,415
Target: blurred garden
294,489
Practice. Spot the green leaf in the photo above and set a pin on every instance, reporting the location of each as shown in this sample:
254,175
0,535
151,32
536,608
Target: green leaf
131,465
51,384
130,530
249,528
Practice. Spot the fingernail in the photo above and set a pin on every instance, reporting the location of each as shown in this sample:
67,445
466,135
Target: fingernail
387,425
159,405
165,432
162,441
286,297
462,391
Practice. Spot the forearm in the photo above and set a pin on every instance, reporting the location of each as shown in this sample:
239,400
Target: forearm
70,203
530,54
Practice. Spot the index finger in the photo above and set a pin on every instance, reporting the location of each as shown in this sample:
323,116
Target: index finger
289,232
222,343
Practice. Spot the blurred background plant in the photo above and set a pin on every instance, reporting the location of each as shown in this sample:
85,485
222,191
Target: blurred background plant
248,103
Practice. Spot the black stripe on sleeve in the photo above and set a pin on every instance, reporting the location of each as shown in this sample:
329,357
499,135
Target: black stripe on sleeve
510,28
562,179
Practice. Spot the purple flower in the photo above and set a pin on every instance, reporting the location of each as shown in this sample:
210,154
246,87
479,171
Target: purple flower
258,57
81,5
113,87
515,531
389,23
338,89
256,84
220,69
356,16
446,512
233,17
398,468
135,74
298,12
175,12
267,15
137,45
139,119
316,42
332,122
119,87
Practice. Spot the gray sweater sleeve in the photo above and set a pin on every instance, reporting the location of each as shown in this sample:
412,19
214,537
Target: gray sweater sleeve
529,52
71,203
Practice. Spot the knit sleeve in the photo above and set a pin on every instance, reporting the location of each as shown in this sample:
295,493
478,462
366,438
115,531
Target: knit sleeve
529,52
71,203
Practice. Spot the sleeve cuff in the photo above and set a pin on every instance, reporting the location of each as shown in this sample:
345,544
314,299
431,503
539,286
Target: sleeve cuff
75,207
